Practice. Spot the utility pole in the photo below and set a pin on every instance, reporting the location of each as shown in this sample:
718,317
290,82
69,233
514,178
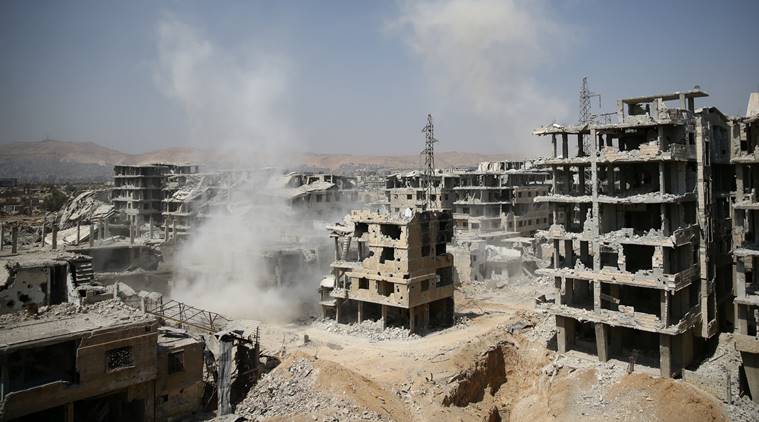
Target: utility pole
429,160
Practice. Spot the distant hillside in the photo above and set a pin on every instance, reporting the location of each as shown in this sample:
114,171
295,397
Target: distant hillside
58,161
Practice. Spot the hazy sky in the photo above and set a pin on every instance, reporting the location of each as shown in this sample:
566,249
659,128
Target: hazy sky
353,76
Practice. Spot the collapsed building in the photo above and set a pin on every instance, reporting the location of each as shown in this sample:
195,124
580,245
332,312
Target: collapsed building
498,198
745,157
640,230
190,199
391,267
321,195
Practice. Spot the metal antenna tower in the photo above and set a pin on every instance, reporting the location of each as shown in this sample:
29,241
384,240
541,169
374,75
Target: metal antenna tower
429,159
585,96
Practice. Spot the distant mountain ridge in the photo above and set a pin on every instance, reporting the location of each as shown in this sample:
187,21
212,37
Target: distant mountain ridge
55,161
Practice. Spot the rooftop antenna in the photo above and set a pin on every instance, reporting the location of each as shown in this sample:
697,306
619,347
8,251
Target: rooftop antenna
585,96
429,159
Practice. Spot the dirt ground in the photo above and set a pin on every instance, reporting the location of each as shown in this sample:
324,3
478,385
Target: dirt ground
496,363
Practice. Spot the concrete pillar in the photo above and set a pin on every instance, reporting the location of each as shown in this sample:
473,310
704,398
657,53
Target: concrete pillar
425,309
597,295
131,233
384,316
150,228
556,254
565,333
553,141
92,235
54,234
555,174
565,145
2,236
78,232
665,355
664,307
338,303
360,316
42,236
411,320
602,341
174,228
106,229
166,230
14,239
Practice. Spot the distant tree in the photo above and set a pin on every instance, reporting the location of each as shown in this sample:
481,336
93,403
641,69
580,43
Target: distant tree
54,200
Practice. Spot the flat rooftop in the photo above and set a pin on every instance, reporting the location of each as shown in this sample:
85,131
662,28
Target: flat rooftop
64,321
694,93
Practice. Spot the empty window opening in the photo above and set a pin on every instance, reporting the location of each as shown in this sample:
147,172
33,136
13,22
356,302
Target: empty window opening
176,361
361,228
425,285
576,293
363,283
440,249
41,365
119,358
638,257
388,254
617,297
444,276
426,250
391,230
385,288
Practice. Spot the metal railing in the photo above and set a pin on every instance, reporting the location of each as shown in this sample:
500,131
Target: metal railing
186,315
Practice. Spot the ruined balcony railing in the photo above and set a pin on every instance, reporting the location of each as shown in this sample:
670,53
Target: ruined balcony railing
190,316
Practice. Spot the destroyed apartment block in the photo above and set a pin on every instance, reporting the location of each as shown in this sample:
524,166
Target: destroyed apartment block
104,362
496,200
28,281
393,268
190,199
321,195
639,231
409,190
745,157
138,192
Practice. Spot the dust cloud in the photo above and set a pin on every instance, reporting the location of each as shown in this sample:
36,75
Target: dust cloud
244,260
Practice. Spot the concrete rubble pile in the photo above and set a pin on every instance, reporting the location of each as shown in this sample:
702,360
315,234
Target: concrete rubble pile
294,391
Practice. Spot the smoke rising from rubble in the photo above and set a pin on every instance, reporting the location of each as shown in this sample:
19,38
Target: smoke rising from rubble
481,56
235,100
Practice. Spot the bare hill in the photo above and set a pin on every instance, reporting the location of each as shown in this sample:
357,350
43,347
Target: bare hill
52,160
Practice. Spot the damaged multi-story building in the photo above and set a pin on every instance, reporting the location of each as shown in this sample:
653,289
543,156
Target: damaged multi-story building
138,191
640,230
392,267
745,157
103,364
497,199
409,190
321,194
28,281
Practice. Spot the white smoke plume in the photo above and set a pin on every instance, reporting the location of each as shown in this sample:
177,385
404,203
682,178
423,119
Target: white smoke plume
235,100
481,56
